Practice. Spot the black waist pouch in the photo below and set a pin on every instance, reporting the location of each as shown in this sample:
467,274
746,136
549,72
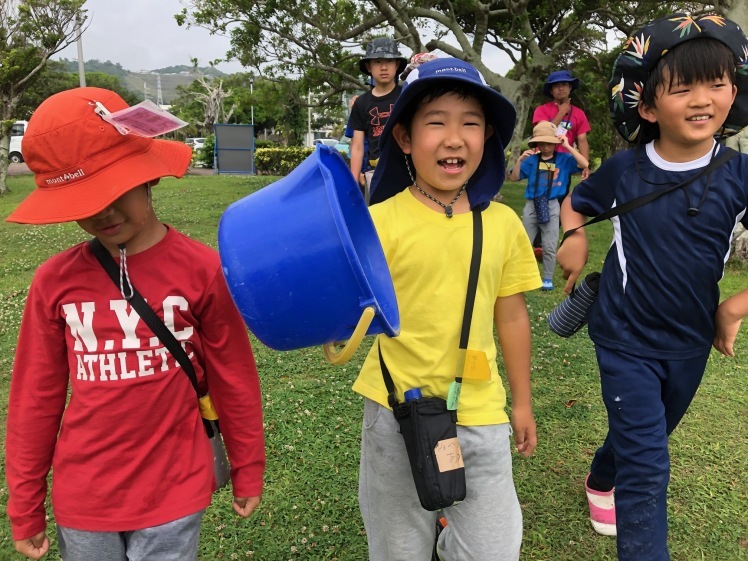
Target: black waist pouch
430,433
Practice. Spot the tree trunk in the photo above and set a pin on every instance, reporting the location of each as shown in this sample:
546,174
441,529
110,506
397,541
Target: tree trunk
4,177
4,161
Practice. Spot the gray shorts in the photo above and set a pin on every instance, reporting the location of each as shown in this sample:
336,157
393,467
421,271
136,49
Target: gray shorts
173,541
486,526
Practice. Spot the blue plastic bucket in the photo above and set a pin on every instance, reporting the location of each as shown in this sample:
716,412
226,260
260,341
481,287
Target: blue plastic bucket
303,261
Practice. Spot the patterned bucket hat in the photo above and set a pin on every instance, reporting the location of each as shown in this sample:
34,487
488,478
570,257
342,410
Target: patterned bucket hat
382,47
643,50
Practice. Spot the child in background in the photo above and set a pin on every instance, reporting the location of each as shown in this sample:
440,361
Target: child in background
133,467
548,172
653,324
382,63
438,162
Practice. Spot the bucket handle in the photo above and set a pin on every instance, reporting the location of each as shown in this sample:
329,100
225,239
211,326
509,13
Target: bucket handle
350,347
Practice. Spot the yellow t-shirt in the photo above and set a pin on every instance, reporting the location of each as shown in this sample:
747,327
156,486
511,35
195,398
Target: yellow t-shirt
429,260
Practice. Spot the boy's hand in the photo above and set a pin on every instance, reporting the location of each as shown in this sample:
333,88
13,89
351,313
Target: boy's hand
565,142
727,330
525,435
563,108
585,173
245,506
34,547
526,154
572,257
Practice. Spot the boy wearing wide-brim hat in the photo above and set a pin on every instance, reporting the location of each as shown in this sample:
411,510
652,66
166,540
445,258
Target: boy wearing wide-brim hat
657,314
436,177
548,171
383,63
133,466
560,111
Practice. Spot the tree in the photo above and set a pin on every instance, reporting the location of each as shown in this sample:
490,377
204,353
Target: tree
261,98
30,32
320,40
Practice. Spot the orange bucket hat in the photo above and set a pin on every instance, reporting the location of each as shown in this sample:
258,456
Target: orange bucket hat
82,163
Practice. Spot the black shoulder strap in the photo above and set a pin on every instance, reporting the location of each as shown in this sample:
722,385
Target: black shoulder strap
467,317
725,155
147,314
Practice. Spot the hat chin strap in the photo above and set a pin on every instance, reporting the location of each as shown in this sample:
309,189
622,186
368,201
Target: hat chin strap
124,276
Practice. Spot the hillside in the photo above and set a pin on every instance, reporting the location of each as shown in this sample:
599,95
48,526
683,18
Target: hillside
145,82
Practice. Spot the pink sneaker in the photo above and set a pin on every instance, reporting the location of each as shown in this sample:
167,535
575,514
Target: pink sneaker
602,510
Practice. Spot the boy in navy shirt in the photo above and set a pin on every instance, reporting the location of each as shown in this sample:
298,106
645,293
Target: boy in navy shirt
653,324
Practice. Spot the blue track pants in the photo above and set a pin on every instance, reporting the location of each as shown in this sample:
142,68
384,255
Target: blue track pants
645,399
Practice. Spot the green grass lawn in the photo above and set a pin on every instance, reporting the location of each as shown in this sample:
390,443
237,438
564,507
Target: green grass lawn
309,509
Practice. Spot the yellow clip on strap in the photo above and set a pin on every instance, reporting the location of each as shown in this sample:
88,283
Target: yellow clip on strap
207,409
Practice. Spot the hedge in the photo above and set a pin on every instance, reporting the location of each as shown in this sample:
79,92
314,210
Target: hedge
279,161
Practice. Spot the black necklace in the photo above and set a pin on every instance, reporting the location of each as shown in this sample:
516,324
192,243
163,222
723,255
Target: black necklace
447,208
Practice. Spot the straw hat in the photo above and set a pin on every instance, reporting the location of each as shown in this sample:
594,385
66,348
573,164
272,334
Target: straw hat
544,131
82,164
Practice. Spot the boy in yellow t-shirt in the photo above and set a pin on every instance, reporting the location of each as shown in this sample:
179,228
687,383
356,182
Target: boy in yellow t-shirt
440,158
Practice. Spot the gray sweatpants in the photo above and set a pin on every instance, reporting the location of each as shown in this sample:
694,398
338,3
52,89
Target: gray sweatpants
548,234
486,526
173,541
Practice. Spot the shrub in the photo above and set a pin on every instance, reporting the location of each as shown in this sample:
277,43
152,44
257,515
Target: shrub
279,161
204,156
260,143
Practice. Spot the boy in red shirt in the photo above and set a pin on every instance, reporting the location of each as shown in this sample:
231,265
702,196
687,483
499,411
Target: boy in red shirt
133,467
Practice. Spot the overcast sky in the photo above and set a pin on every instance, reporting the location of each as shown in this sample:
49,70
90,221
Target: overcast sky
143,35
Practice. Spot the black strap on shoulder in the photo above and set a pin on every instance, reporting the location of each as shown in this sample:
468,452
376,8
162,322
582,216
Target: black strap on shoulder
147,314
548,176
725,155
472,287
467,317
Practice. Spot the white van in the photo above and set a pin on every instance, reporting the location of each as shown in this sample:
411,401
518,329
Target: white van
16,137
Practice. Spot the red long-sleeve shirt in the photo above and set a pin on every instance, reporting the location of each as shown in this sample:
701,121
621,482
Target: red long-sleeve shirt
131,450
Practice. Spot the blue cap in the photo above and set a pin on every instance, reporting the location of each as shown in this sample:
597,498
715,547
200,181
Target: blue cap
391,174
559,76
412,394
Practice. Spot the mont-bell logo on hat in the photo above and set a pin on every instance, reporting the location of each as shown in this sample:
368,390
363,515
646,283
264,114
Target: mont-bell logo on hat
66,177
451,69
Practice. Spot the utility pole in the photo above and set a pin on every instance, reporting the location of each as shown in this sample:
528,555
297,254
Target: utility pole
309,139
159,97
79,41
251,95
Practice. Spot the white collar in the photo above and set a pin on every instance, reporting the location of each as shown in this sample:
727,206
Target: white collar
659,162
